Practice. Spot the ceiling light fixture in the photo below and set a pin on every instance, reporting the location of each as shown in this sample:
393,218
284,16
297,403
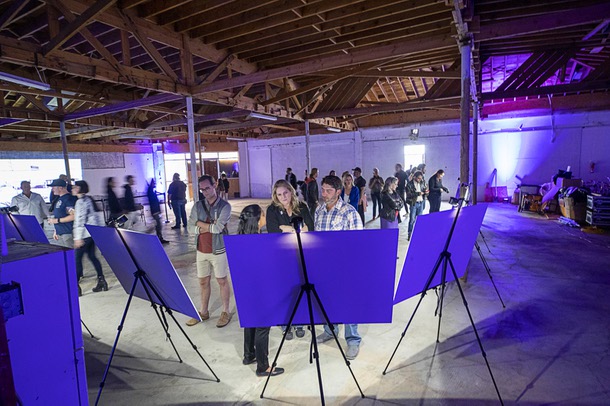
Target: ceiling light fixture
262,116
333,129
7,77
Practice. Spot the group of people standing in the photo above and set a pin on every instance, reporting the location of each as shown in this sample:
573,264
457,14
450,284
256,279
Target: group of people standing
408,190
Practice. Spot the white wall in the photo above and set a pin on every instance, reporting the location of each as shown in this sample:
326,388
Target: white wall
138,165
533,148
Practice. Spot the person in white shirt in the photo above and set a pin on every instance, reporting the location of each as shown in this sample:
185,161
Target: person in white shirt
31,203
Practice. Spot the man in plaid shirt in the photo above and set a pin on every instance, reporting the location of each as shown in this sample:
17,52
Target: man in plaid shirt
336,215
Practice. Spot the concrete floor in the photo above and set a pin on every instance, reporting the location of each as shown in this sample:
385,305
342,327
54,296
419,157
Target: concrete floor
550,345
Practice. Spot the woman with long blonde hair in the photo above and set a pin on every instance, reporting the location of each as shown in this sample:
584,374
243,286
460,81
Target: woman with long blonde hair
280,213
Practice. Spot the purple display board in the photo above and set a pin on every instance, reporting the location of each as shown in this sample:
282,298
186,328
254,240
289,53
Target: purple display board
29,227
353,273
428,241
152,259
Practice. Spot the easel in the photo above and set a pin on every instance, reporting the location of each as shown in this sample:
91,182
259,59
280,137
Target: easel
307,289
140,276
444,259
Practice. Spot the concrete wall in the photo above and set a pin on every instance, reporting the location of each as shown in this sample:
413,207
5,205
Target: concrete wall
532,147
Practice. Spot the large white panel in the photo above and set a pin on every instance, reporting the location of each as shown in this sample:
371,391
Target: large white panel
260,172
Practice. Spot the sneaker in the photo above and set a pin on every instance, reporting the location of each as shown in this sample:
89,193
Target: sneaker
352,351
175,227
204,317
324,337
276,371
224,319
164,241
300,332
289,335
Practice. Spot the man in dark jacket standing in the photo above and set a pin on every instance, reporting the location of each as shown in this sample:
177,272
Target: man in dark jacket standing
291,178
176,196
360,183
313,194
155,209
417,190
435,185
402,176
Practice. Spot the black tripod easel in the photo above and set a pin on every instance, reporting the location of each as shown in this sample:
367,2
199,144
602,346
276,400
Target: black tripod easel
140,276
444,259
308,289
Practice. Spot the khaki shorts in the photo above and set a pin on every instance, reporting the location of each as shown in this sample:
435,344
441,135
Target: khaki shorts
208,262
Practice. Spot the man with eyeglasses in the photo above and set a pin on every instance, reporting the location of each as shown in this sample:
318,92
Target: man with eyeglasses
417,190
336,215
208,221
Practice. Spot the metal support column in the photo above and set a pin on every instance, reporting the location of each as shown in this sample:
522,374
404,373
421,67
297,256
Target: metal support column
307,153
191,131
64,147
465,50
475,150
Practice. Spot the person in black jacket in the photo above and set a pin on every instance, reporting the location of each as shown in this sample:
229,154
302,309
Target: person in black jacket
155,209
391,203
402,177
435,185
280,213
176,196
313,195
256,339
129,202
114,207
291,178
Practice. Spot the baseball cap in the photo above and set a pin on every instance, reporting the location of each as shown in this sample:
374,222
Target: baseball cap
357,169
59,182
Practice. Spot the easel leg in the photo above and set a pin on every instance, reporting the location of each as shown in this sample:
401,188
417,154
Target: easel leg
336,339
161,317
442,298
314,342
421,298
87,328
277,354
146,284
488,269
116,340
474,328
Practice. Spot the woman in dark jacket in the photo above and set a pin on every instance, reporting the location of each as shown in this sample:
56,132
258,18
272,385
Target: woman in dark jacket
352,192
280,213
391,203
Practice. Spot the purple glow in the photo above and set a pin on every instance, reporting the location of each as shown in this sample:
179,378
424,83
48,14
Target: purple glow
428,241
354,287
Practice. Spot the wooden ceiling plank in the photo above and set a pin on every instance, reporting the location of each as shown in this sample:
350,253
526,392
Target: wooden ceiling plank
186,62
192,8
9,14
410,73
515,77
266,14
37,103
546,90
76,25
358,56
155,8
196,26
549,22
127,4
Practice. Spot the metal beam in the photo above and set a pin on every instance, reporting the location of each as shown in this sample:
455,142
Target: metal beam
115,108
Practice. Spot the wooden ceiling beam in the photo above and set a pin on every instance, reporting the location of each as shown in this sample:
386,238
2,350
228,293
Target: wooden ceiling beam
409,74
358,56
196,26
390,107
159,34
584,86
76,25
192,8
548,22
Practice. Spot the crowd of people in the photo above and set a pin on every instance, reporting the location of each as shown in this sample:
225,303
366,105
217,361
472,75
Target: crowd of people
333,205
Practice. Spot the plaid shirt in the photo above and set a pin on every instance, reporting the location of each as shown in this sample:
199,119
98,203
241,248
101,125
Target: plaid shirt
341,217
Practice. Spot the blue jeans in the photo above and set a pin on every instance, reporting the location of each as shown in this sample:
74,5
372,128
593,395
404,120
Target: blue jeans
179,207
416,210
351,333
